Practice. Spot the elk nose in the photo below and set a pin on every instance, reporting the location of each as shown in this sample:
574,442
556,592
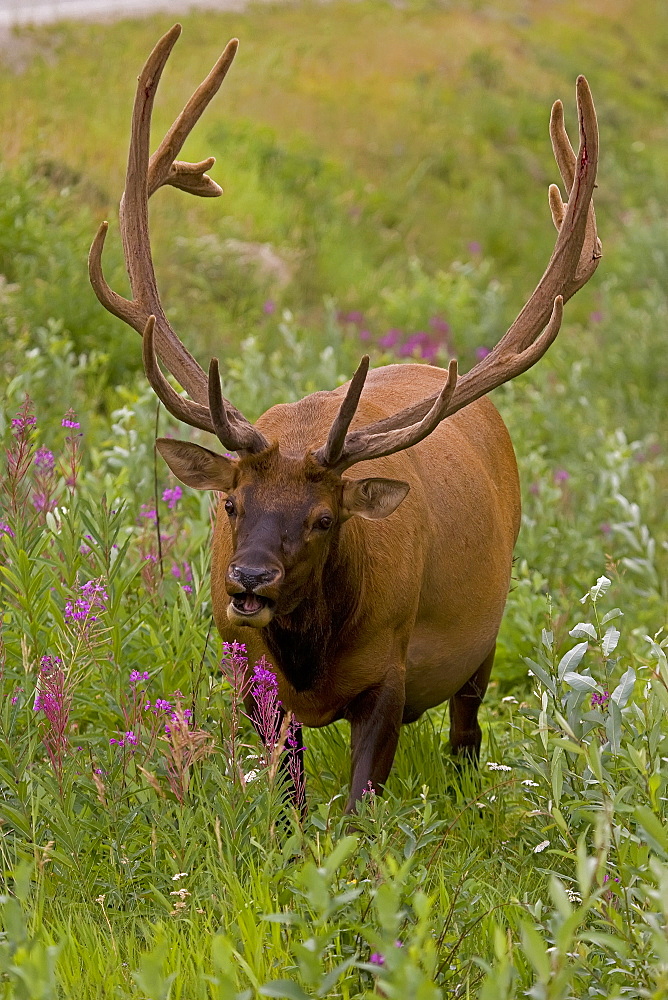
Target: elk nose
252,579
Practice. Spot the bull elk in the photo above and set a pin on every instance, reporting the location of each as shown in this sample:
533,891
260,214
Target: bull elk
376,596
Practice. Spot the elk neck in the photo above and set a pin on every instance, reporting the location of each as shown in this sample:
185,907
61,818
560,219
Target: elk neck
305,641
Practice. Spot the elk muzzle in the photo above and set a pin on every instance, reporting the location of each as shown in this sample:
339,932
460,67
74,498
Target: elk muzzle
253,593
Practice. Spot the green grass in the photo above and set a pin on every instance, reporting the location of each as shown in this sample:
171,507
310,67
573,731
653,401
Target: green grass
370,146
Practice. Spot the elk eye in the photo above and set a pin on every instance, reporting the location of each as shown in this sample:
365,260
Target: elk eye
230,507
325,522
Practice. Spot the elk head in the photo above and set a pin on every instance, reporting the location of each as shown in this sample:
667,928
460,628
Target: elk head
286,508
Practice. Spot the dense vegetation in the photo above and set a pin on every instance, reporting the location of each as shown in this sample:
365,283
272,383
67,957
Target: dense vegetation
143,850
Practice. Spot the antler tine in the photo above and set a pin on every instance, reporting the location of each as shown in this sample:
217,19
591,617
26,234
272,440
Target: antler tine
189,412
368,443
331,452
573,261
163,167
233,430
145,312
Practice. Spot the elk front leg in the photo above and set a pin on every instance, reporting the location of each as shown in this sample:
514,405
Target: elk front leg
375,718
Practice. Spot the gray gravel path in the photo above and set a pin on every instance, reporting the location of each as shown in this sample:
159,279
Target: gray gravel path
45,11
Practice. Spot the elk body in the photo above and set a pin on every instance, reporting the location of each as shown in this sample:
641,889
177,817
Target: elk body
375,594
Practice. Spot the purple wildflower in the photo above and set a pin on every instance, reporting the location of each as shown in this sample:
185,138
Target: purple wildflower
53,699
161,705
69,420
475,247
266,714
44,460
93,596
390,339
172,497
147,511
24,421
6,530
481,352
269,307
376,958
600,700
136,676
439,325
421,343
561,476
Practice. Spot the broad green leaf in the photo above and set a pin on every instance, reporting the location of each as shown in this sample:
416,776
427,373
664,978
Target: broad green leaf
613,727
610,640
582,629
579,682
571,660
624,689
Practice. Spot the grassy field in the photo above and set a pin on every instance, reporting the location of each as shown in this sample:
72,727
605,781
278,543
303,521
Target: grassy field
395,162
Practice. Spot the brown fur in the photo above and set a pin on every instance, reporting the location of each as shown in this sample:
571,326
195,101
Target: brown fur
408,605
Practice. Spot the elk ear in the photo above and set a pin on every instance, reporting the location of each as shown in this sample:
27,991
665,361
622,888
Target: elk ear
198,467
372,498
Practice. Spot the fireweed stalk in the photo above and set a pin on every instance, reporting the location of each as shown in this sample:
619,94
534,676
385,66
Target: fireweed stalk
73,454
19,459
44,475
183,746
53,700
277,728
234,666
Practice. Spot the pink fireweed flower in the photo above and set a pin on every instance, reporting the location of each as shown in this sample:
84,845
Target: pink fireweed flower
266,714
24,421
136,676
390,339
172,497
561,476
6,530
92,597
44,460
481,352
600,700
129,739
70,420
53,700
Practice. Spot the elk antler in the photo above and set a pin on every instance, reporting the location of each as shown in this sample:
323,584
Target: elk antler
574,259
145,312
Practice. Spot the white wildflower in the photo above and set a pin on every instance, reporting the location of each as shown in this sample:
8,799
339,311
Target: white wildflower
251,776
541,847
574,897
182,893
510,699
529,783
493,766
178,875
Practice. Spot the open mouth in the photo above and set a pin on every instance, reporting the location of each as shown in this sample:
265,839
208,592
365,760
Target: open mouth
250,604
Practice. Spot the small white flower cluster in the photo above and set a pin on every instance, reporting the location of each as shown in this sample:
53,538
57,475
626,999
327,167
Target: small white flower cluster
493,766
178,875
529,783
541,847
574,897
